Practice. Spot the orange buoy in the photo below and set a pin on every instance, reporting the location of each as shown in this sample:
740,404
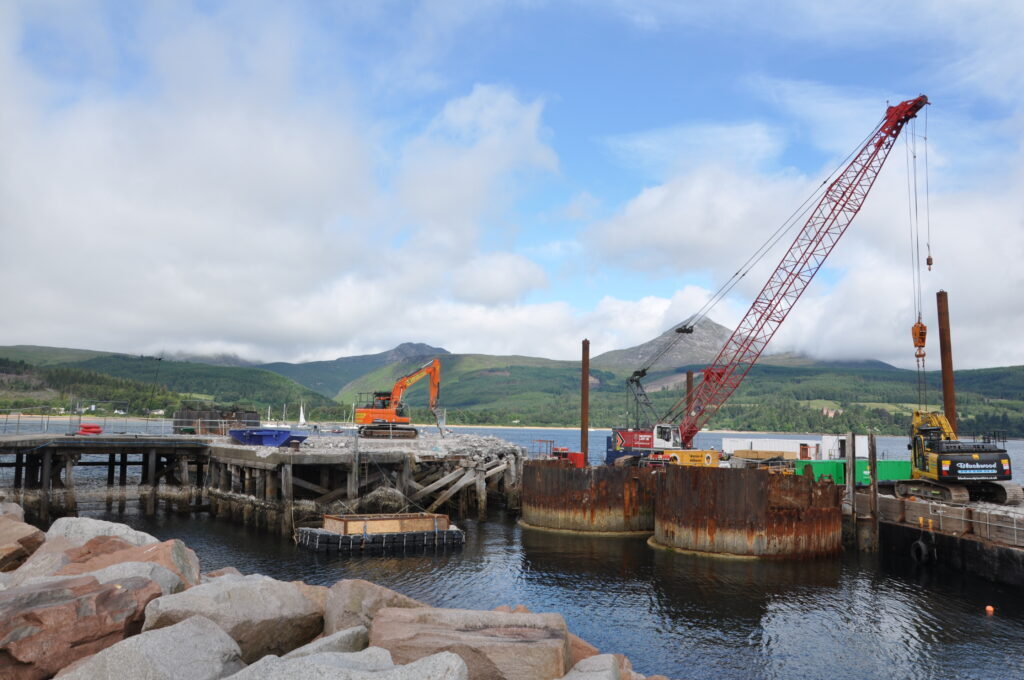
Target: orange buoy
990,610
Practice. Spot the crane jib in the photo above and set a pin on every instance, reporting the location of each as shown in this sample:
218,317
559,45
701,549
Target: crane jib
828,221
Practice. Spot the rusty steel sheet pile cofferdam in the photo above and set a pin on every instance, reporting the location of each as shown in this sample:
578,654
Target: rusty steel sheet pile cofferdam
593,499
746,512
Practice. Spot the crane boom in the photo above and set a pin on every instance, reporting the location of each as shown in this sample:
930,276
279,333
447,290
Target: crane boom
835,211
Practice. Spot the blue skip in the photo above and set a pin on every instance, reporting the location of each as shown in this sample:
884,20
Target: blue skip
255,436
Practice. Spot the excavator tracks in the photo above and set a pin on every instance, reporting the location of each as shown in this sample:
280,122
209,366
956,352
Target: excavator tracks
1003,493
388,432
933,491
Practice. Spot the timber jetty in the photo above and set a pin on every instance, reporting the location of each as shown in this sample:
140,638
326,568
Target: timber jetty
275,489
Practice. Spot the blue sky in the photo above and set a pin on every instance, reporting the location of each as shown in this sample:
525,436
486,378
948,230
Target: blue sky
310,180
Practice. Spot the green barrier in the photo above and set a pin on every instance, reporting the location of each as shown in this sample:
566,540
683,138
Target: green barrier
888,470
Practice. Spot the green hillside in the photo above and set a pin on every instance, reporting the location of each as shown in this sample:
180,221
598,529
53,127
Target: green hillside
835,397
47,356
328,378
469,380
795,394
26,387
323,377
221,384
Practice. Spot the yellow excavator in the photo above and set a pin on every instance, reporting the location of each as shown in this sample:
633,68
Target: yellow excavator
942,467
946,469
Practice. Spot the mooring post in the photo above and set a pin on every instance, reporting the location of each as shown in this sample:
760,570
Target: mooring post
250,481
19,462
70,501
464,501
286,482
405,479
123,476
183,475
481,493
287,523
851,471
272,486
150,508
111,464
44,496
185,484
851,482
353,476
946,359
873,497
32,472
585,404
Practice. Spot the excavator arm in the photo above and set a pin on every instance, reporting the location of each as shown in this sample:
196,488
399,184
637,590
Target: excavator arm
431,369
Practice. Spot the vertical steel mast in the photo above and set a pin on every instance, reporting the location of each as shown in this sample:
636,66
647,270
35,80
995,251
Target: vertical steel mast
836,209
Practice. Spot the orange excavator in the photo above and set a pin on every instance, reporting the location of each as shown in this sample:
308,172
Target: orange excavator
386,417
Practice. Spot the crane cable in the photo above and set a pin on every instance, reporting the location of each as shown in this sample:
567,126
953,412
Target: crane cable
927,195
919,329
773,239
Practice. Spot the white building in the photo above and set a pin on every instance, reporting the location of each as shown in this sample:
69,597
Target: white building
833,446
811,445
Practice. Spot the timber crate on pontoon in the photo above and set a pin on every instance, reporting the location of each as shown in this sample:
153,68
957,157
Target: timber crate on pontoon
349,533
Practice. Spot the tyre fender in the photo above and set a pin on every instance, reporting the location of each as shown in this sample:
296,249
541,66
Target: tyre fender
920,552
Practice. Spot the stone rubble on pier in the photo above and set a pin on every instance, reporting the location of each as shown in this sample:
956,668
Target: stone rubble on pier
98,599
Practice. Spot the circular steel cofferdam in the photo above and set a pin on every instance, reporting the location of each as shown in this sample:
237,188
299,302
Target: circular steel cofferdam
746,512
593,499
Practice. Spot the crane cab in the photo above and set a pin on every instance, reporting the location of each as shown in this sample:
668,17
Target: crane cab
666,437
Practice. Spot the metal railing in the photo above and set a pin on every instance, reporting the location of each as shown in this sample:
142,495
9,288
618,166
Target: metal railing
24,422
1003,527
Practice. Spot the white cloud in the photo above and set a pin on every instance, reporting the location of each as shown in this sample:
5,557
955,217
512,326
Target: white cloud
460,170
202,195
708,220
496,278
581,206
669,151
227,210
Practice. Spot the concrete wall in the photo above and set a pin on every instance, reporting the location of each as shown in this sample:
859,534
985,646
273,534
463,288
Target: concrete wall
967,553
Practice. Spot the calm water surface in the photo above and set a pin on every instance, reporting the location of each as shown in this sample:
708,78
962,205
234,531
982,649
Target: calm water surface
685,616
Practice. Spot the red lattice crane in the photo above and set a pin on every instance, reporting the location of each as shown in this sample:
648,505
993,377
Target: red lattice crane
828,221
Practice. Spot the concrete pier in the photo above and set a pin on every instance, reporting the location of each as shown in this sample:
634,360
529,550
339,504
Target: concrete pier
980,539
277,489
